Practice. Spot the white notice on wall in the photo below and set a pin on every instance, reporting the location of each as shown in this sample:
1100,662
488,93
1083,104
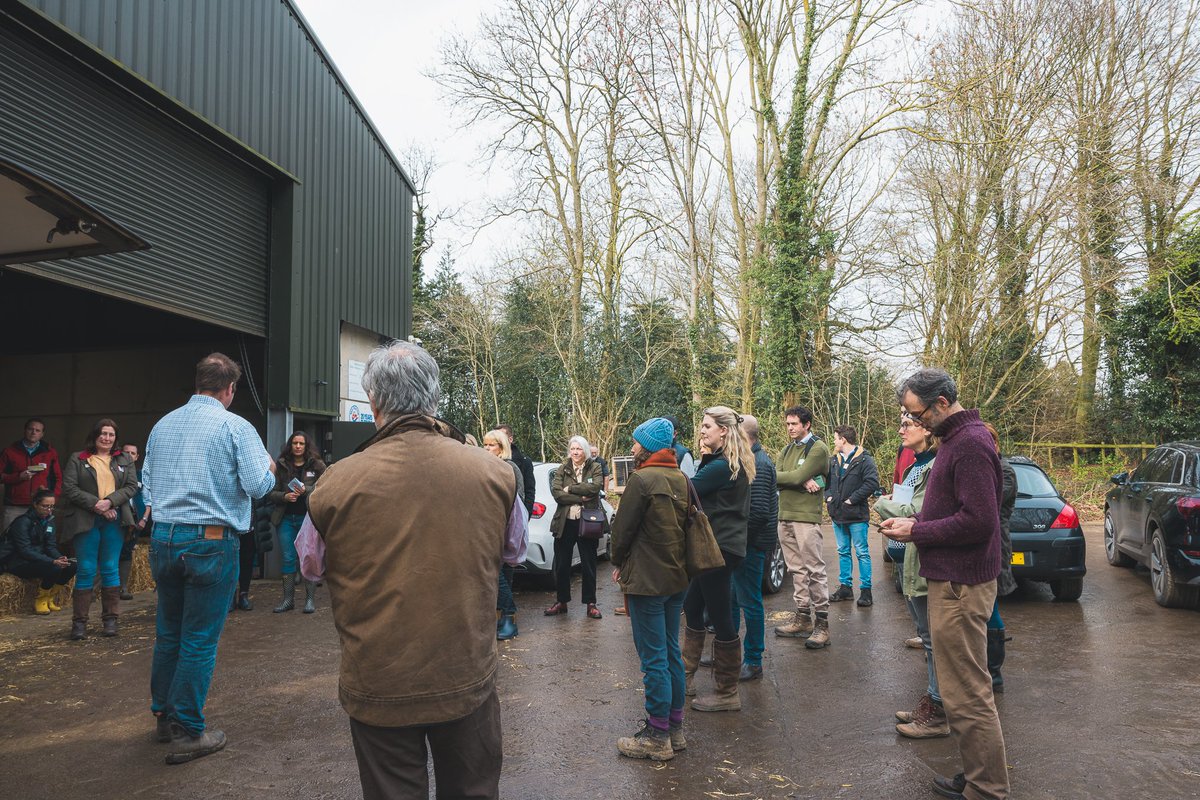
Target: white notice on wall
355,390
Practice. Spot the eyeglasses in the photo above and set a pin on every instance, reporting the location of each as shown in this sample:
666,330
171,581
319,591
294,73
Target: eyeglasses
919,416
43,506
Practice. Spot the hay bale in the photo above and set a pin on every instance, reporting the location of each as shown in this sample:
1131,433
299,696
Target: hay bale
17,594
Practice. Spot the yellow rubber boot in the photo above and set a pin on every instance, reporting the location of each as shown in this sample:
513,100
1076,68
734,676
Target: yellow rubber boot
41,604
51,599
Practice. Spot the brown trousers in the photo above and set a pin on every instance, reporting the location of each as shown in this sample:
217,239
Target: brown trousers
801,544
467,753
958,616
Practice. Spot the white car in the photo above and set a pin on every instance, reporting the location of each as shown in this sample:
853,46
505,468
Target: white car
539,560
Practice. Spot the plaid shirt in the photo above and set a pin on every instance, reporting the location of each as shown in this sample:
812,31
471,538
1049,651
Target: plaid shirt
203,464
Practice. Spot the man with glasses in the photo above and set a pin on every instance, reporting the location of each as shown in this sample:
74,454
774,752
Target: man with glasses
27,465
203,467
29,550
957,534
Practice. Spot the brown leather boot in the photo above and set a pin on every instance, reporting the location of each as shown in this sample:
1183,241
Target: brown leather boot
693,647
110,605
727,669
801,626
81,602
820,634
928,721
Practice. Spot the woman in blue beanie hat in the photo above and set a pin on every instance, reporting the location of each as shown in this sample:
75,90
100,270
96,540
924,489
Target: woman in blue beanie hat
649,564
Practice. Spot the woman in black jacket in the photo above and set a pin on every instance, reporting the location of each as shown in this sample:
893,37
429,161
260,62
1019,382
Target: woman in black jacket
298,469
853,478
28,550
722,482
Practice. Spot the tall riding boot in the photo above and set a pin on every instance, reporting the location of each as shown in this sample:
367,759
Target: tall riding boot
81,600
693,647
995,657
123,571
110,605
289,595
727,668
310,595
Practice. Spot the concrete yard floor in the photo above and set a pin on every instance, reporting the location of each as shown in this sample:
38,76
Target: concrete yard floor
1102,701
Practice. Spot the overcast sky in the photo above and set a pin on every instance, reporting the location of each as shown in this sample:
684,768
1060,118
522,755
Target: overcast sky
382,48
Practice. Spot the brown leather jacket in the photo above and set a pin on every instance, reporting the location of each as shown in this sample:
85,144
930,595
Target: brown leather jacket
414,527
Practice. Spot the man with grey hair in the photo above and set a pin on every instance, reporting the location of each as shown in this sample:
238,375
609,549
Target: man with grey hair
414,528
957,534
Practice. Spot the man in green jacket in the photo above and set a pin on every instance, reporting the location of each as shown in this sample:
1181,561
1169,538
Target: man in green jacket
801,475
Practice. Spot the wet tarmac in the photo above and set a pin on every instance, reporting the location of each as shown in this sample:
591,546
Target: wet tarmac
1102,701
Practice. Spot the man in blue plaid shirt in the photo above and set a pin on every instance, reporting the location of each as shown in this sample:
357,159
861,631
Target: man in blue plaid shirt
203,467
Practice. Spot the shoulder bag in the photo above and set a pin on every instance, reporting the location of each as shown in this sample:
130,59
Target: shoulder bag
592,522
700,546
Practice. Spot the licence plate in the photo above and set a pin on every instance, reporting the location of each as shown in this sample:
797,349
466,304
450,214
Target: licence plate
1018,558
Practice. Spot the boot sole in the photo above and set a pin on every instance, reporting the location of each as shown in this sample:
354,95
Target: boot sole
183,758
818,646
938,735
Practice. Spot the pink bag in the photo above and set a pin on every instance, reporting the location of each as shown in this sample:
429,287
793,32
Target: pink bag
310,548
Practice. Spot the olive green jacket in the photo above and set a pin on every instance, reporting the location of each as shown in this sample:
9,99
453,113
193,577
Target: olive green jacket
792,471
912,585
80,492
569,493
647,532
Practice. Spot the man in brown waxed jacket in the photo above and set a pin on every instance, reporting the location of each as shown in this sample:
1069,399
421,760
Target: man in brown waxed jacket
415,526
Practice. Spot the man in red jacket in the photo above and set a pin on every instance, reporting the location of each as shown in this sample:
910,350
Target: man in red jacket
27,465
957,534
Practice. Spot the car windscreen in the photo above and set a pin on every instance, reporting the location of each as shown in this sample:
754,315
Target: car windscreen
1032,482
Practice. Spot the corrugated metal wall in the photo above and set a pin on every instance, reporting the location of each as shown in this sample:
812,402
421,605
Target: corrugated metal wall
249,67
204,215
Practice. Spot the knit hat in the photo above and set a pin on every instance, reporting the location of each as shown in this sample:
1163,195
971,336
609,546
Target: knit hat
654,434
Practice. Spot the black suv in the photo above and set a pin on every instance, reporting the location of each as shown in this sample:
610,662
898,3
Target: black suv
1047,540
1153,517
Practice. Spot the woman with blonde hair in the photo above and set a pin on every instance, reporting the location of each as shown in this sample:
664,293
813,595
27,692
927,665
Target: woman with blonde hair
577,485
496,443
722,482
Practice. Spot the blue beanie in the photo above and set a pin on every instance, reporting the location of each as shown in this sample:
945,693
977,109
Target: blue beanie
654,434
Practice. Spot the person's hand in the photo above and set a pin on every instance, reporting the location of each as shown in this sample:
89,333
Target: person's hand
111,514
301,490
61,561
102,506
27,475
812,487
898,529
291,497
616,574
141,524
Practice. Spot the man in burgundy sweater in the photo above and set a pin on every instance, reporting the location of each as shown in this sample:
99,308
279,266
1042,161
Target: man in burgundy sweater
957,534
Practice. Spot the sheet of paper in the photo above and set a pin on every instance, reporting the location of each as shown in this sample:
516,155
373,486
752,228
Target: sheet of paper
902,494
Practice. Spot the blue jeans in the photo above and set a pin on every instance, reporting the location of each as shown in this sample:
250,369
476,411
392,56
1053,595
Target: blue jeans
856,533
288,527
505,603
99,549
656,637
747,598
918,608
195,579
995,623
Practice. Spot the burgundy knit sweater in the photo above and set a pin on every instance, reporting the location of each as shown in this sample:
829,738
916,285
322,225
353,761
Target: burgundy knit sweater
957,532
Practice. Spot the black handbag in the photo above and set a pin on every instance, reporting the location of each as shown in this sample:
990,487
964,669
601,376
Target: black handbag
591,523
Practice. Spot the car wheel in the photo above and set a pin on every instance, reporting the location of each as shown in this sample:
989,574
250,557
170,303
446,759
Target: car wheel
1067,589
1111,551
776,569
1167,593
